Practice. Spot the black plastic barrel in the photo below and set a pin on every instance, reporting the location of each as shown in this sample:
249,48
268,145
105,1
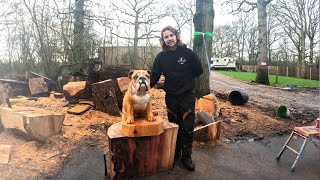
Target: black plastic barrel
238,98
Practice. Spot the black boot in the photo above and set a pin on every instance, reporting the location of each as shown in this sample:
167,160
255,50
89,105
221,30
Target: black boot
188,163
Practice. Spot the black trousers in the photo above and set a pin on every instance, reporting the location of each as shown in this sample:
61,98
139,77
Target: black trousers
181,110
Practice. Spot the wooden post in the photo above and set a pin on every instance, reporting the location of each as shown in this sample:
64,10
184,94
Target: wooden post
132,157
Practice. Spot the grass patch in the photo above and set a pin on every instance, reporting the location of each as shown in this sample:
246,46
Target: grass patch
282,80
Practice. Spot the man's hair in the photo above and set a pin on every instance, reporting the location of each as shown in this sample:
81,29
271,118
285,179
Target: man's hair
175,32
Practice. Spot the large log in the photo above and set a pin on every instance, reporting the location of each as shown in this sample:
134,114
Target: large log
132,157
38,85
209,104
210,132
37,124
121,87
77,90
105,98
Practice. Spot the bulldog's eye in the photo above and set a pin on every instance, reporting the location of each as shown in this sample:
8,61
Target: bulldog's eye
135,77
147,76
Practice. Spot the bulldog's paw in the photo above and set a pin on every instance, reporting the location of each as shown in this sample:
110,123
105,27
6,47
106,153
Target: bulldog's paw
130,120
150,118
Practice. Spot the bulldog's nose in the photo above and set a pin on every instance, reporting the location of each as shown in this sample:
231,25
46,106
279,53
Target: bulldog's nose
142,78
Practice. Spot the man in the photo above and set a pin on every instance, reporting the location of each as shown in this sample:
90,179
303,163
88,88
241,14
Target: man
180,66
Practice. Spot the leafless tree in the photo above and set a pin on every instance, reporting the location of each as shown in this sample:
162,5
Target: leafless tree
134,14
182,12
274,32
294,25
261,5
312,25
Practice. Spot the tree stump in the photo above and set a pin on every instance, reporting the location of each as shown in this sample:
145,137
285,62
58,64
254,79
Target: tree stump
104,97
210,132
132,157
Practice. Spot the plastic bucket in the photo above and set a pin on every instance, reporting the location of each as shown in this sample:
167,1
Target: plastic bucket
283,111
238,98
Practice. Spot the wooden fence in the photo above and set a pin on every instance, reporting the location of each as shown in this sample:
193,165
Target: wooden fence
290,71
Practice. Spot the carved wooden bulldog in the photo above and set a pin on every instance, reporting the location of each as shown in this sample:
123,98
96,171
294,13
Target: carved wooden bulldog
136,101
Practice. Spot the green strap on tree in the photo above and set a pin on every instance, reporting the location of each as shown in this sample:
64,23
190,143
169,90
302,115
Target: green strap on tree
208,34
204,34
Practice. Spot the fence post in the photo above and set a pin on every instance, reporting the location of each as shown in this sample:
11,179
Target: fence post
310,73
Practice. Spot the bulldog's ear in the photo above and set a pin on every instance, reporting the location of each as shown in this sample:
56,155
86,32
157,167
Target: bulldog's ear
130,74
149,72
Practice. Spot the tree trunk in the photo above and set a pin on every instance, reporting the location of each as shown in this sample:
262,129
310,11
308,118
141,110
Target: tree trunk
203,22
78,48
262,71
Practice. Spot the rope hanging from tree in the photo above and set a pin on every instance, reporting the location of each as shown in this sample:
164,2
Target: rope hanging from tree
203,34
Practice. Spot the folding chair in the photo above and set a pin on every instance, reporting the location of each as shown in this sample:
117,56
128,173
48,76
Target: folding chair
304,132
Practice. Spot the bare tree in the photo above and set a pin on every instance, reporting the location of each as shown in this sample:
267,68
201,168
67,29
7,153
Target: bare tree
224,41
261,5
273,30
134,14
252,44
242,27
312,25
182,13
294,25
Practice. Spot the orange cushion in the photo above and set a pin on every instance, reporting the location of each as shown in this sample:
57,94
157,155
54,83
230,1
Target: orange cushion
307,130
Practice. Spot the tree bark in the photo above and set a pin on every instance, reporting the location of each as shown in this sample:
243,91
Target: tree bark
262,71
133,157
203,22
104,97
78,47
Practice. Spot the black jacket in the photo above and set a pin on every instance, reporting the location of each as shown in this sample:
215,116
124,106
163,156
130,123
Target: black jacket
179,67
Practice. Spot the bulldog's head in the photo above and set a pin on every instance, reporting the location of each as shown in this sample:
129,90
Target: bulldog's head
139,80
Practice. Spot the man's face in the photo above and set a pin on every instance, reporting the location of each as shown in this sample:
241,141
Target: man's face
169,38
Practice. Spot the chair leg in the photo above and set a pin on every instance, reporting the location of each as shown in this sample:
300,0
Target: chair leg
292,169
284,147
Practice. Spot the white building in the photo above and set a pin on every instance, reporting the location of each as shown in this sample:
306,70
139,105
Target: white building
223,63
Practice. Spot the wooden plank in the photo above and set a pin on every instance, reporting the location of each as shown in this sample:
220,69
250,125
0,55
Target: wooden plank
79,109
133,157
4,153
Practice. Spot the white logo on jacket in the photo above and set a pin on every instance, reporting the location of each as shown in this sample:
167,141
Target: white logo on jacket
181,60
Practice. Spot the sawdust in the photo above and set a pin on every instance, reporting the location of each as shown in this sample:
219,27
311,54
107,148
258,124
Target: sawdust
30,159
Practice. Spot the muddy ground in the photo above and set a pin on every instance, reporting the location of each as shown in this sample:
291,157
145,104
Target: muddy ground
255,120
